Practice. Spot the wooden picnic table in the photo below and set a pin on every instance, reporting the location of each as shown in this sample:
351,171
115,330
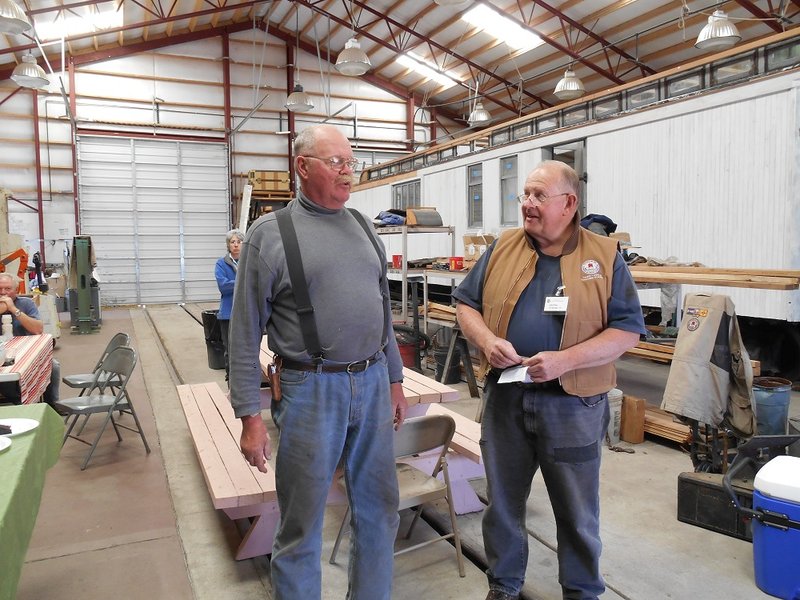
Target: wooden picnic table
246,494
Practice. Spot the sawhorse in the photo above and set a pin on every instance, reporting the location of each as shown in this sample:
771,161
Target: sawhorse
458,339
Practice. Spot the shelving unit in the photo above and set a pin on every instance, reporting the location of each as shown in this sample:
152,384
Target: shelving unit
427,275
405,231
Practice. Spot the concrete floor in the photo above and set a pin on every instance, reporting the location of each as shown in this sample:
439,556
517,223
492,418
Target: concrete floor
142,526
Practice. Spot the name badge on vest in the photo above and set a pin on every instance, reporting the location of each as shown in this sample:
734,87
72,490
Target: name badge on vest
557,303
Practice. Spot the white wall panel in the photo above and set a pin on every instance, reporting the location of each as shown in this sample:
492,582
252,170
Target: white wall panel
711,187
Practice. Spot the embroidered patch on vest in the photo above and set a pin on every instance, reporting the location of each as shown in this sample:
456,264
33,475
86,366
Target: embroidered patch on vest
692,324
591,270
697,312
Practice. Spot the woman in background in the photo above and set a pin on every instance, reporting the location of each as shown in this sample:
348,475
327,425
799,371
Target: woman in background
225,272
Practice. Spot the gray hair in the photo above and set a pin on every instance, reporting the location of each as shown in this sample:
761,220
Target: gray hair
14,279
233,233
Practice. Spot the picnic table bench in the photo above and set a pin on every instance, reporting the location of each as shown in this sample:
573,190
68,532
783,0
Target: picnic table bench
249,496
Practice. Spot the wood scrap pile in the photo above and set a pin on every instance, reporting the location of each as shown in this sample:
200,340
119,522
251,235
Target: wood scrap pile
663,353
443,312
663,424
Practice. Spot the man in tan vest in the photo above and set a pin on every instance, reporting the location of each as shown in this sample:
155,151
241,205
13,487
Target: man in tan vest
558,303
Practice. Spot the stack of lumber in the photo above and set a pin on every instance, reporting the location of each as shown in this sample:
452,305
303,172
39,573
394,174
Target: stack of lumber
443,312
765,279
662,424
663,353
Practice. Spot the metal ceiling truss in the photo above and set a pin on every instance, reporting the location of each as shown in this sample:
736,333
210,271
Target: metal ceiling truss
389,22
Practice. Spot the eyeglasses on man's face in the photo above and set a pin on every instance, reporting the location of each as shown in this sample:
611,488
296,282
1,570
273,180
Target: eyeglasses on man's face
337,162
538,197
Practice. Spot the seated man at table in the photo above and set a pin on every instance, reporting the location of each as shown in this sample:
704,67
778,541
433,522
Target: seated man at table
25,321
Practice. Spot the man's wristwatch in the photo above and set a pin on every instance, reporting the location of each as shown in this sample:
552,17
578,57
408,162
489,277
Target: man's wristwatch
17,313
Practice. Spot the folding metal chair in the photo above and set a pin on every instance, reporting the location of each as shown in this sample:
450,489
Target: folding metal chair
417,487
117,367
85,381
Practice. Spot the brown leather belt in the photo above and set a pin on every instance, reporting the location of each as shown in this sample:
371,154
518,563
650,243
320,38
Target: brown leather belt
353,367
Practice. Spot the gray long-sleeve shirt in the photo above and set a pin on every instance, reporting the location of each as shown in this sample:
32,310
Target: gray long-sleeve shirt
345,284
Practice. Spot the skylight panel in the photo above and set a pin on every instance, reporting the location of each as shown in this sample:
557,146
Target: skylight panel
92,21
502,28
424,67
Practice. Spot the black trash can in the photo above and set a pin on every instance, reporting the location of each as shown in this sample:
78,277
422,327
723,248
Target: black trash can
214,346
454,372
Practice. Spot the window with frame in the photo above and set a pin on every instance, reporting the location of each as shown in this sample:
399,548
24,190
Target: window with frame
407,194
509,189
475,195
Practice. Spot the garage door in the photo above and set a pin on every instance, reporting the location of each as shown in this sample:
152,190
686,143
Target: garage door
157,212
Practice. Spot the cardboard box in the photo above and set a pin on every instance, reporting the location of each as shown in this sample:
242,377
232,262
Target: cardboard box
57,285
475,246
269,180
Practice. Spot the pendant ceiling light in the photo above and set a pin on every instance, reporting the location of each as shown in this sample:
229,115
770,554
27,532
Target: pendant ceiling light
570,87
718,34
12,18
478,115
29,74
353,61
298,100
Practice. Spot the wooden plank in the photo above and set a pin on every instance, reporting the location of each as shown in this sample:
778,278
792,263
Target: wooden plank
466,439
663,424
248,490
716,279
445,392
791,273
218,480
266,481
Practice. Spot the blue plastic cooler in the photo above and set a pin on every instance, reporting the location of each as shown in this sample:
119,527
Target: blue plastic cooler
776,549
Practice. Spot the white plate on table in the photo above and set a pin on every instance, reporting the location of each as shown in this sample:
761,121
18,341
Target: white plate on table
18,426
5,443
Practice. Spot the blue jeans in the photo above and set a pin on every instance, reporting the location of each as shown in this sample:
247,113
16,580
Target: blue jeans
323,418
528,429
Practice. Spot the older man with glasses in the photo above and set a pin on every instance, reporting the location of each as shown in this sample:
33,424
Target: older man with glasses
557,303
339,401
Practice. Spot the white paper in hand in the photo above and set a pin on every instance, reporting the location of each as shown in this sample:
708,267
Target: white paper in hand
512,374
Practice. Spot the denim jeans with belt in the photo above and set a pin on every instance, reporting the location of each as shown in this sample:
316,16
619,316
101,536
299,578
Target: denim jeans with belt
322,418
526,428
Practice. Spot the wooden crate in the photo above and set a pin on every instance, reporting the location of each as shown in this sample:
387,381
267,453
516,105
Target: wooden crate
269,181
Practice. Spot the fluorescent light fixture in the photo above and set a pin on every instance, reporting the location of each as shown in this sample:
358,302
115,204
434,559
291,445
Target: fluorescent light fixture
29,74
353,61
76,25
501,27
450,2
569,87
718,34
12,18
424,67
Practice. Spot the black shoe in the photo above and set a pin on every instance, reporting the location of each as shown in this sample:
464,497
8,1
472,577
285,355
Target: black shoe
500,595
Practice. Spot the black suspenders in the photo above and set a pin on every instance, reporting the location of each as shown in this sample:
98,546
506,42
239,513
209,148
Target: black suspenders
305,310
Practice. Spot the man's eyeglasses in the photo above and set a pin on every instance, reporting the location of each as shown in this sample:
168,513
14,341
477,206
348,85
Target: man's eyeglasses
338,162
538,198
